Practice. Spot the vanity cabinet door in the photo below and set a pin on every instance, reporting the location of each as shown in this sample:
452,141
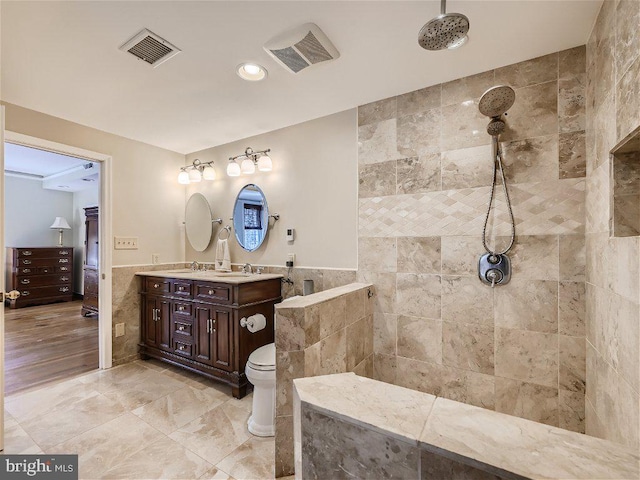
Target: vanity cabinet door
157,323
214,336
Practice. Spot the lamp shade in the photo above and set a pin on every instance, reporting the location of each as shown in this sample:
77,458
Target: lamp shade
265,164
60,223
209,173
183,178
233,169
195,176
247,166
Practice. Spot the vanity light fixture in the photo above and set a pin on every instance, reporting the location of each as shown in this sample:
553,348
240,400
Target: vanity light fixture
196,172
249,161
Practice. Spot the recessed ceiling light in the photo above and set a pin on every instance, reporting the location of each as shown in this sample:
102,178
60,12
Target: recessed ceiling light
251,71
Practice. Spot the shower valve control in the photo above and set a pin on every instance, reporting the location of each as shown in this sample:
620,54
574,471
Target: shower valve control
494,269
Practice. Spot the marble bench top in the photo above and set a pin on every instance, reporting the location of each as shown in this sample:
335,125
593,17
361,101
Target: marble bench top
495,442
234,278
319,297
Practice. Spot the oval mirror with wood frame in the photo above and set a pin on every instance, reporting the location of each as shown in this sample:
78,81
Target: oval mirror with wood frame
250,217
198,222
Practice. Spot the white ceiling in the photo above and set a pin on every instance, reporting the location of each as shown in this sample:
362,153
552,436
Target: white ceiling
55,171
62,58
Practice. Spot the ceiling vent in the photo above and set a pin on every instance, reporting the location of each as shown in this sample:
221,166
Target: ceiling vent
301,47
150,48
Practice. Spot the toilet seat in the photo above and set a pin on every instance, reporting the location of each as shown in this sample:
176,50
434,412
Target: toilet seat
264,358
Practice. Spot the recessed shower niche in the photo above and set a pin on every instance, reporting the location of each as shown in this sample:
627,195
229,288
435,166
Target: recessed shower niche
625,186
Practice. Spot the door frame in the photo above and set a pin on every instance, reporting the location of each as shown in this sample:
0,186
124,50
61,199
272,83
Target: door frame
105,317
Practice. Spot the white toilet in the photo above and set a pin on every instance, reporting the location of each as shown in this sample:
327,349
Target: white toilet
261,372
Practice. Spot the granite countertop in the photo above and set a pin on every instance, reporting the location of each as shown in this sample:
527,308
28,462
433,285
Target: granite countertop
234,278
495,442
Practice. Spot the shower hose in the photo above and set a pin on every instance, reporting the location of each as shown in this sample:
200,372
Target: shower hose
497,166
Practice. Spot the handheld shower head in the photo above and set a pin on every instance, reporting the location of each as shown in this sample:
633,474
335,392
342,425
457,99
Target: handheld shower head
496,101
447,30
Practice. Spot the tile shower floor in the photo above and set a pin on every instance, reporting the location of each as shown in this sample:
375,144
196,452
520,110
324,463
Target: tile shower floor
141,420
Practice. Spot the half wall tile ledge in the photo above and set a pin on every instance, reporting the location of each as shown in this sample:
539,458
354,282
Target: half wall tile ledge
436,435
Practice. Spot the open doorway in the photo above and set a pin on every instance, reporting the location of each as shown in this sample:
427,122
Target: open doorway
52,205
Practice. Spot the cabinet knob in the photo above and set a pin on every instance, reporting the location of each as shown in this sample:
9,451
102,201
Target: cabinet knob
64,279
181,289
26,270
181,328
181,308
181,347
64,289
64,269
25,281
26,262
211,292
26,253
63,252
25,293
63,260
156,285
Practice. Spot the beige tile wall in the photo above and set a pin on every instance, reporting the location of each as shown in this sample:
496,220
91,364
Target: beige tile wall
424,174
613,292
329,332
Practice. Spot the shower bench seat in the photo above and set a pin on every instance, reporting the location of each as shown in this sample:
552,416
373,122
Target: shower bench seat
346,426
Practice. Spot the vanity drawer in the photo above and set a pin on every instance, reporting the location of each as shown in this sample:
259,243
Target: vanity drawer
157,285
182,288
212,292
183,348
182,309
182,329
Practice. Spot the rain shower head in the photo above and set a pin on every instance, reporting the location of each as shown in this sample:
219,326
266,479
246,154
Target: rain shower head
447,30
496,101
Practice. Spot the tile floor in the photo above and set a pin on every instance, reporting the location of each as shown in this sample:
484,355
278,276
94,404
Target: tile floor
141,420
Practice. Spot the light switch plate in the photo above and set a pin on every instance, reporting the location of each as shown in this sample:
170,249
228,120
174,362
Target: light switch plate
125,243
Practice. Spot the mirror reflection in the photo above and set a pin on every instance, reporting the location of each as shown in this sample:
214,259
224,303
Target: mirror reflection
198,222
250,217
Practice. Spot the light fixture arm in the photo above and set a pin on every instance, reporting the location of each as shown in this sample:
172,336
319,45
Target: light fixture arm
251,154
197,165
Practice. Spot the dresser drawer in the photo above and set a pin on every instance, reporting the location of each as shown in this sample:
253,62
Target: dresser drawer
43,280
44,292
44,252
157,285
182,288
212,292
45,262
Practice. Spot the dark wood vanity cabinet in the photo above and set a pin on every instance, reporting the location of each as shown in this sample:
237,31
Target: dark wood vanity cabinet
196,324
41,275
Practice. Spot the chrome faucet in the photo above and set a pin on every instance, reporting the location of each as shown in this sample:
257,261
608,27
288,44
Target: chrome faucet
246,268
195,266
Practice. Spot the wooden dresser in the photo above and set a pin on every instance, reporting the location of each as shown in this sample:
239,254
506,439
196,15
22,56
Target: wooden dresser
41,275
90,270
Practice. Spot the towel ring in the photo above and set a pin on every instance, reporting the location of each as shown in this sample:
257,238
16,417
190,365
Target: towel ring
225,229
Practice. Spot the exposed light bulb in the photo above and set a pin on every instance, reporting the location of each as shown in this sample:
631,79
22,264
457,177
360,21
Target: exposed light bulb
209,173
233,169
183,178
194,175
265,164
247,166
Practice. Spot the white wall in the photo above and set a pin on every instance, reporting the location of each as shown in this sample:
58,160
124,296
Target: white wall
85,198
313,186
148,203
30,210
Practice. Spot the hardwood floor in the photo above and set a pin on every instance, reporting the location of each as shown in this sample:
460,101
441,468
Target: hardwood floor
48,342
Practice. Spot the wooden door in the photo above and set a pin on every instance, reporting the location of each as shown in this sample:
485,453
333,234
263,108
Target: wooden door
222,338
91,239
150,324
204,345
163,307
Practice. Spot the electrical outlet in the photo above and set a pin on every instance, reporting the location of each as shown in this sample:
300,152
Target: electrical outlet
119,329
291,257
125,243
155,258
